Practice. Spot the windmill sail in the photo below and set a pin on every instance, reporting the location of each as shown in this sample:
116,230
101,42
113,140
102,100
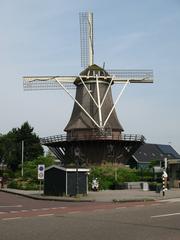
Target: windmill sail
48,82
132,75
86,39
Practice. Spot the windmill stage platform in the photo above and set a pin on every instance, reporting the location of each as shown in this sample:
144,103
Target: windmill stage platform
94,149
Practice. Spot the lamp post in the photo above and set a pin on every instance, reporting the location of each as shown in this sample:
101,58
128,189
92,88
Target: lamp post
22,158
2,169
77,155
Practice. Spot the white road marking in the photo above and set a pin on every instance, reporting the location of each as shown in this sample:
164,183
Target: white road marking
73,212
98,210
14,211
121,207
54,208
13,206
165,215
140,205
7,219
46,215
24,211
155,204
3,212
35,209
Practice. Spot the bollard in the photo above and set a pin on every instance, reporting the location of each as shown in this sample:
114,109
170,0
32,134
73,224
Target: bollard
163,182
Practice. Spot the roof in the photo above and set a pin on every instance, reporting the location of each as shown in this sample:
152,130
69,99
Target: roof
149,152
68,169
90,73
93,70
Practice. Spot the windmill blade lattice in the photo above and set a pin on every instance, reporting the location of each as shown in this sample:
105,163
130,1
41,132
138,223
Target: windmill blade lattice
48,82
133,76
86,39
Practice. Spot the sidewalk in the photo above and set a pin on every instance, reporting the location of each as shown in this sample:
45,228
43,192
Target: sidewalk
104,196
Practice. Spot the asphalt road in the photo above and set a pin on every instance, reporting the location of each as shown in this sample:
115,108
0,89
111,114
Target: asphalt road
87,221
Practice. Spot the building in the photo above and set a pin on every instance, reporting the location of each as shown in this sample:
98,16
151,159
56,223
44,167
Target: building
149,153
60,181
174,172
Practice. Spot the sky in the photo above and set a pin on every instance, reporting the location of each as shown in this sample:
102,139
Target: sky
41,37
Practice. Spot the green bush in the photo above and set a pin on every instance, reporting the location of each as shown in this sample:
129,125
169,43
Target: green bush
154,186
23,184
13,184
30,179
127,175
110,176
145,174
30,167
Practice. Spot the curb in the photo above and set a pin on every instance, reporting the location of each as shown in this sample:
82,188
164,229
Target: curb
48,198
134,200
64,199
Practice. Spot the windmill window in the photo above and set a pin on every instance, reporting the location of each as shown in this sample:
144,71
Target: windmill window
145,154
153,154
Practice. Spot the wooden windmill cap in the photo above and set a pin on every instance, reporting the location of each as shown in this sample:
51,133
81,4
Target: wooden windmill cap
91,72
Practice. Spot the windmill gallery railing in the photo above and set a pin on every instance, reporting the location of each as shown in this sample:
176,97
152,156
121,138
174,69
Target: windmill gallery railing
64,137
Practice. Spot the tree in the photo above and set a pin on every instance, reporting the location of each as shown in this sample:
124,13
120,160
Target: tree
32,147
9,150
30,167
11,145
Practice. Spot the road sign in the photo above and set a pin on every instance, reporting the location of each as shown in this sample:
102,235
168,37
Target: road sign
41,169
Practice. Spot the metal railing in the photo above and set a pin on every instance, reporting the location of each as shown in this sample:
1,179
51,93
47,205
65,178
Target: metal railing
64,137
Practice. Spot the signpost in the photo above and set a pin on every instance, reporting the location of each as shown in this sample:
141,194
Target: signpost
41,169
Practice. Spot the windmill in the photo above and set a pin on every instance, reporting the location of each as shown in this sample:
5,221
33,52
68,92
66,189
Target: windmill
93,133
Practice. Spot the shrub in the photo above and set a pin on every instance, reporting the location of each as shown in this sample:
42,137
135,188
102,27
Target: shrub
22,184
154,186
106,176
29,180
127,175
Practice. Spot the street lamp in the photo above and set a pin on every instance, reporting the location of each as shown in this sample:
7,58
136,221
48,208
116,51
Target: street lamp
22,158
77,155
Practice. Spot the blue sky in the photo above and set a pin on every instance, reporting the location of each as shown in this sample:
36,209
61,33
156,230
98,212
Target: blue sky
41,37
